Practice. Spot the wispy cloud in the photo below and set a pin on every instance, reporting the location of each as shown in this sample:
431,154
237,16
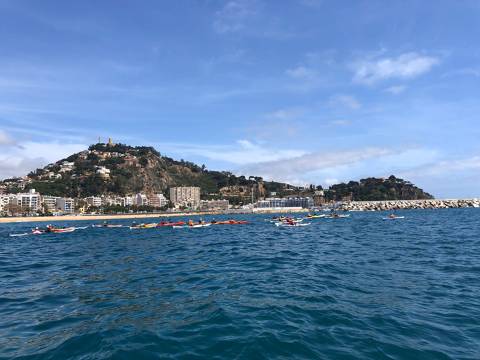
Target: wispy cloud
405,66
445,167
395,90
298,169
348,101
475,72
241,153
234,15
19,158
304,78
286,113
5,139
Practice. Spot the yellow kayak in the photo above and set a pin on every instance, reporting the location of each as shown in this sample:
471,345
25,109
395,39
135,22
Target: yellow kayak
144,226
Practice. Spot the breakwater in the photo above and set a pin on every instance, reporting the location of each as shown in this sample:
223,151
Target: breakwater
409,204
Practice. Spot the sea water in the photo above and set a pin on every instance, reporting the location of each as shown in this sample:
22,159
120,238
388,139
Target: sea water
353,288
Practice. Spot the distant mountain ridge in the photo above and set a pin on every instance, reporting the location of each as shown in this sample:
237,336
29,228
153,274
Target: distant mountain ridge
118,169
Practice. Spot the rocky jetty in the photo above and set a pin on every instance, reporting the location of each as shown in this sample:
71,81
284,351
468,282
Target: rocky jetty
408,204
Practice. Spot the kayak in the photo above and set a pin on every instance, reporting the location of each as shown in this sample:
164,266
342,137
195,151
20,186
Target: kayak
315,216
51,231
107,226
285,219
291,225
394,218
144,226
63,230
178,223
340,216
230,222
190,226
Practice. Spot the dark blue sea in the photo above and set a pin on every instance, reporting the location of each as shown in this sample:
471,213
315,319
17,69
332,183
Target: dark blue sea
355,288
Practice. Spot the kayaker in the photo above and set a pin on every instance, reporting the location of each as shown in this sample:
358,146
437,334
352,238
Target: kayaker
190,222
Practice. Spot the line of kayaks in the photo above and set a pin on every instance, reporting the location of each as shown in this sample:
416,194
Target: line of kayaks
280,221
188,224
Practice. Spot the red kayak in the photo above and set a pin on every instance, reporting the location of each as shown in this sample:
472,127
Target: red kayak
230,222
178,223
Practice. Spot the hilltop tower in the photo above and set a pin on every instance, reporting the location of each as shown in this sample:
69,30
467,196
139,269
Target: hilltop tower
110,142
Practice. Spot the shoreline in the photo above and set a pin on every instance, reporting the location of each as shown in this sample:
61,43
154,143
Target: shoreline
23,219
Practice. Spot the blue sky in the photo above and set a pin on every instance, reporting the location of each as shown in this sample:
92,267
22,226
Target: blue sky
304,91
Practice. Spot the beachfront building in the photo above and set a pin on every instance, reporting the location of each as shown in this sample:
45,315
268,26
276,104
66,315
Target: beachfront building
95,201
141,200
319,198
27,201
214,205
289,202
50,202
66,205
4,201
188,196
127,201
157,200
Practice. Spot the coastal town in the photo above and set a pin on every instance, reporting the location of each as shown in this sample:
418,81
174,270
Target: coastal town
187,199
32,203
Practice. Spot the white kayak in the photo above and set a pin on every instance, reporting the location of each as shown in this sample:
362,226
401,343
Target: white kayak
291,225
24,234
191,226
394,218
107,226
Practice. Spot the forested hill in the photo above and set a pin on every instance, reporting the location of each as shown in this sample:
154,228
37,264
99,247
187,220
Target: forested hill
371,189
121,169
118,169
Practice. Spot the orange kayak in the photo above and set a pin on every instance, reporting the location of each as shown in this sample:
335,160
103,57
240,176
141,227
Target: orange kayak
230,222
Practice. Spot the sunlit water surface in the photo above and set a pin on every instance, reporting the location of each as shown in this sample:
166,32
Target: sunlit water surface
356,288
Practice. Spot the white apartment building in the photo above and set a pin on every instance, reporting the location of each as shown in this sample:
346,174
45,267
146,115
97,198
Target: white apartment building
28,201
127,201
50,202
4,201
94,201
66,205
188,196
141,199
157,200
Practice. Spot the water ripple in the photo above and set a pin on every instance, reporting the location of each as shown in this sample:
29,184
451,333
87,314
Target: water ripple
355,289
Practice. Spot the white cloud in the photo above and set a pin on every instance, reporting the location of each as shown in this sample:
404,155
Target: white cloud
5,139
243,152
348,101
397,89
285,114
303,78
297,169
233,15
302,73
18,160
446,167
405,66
